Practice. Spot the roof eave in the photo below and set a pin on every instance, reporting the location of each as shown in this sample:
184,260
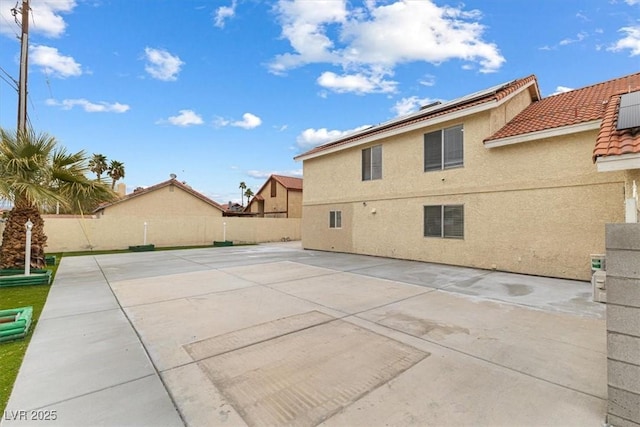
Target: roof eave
618,162
454,115
542,134
400,130
404,129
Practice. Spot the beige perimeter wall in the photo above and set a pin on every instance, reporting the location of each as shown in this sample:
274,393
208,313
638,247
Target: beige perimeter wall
537,207
67,233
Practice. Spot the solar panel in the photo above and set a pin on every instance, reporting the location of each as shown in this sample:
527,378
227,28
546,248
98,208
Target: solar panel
629,111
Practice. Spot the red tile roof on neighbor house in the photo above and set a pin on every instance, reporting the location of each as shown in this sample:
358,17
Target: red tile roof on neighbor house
572,108
289,182
158,186
484,97
613,142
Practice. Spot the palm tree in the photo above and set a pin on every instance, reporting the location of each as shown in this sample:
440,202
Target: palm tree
35,172
242,187
115,171
249,195
98,165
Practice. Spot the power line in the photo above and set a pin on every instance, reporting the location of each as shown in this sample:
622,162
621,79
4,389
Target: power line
9,24
14,81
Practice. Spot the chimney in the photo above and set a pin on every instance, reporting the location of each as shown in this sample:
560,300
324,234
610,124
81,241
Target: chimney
121,189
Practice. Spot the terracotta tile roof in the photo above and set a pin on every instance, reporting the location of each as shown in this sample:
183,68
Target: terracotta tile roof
491,96
289,182
613,142
158,186
569,108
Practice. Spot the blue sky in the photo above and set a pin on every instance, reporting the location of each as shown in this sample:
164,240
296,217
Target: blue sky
220,92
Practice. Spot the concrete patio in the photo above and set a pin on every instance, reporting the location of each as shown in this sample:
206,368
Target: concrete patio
276,335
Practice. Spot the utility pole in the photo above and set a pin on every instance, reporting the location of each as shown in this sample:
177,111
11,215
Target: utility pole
24,62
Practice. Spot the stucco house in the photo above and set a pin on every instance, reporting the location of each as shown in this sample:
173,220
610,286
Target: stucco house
167,199
279,197
500,179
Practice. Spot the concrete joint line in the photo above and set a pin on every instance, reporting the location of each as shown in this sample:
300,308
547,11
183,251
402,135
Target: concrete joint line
78,314
89,393
623,362
622,334
144,348
622,305
263,340
190,296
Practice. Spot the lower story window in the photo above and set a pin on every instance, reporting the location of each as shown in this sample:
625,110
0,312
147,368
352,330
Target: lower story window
335,219
445,221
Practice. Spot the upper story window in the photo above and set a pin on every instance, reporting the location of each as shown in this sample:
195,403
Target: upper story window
274,188
372,163
443,149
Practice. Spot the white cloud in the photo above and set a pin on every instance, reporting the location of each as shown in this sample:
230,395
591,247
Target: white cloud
53,63
266,174
184,119
428,80
579,37
46,17
562,89
223,13
632,2
369,42
161,64
310,138
358,83
631,41
583,17
249,121
88,106
409,105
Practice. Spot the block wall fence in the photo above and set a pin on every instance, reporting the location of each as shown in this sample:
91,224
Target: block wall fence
69,233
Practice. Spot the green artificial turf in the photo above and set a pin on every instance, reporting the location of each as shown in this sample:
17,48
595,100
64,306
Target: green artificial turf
12,352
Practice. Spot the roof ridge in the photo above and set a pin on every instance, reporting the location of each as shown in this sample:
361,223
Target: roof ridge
157,186
591,86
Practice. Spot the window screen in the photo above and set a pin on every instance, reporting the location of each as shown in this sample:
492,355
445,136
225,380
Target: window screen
335,219
372,163
443,149
446,221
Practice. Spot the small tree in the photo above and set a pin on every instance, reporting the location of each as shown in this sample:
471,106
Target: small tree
36,172
116,172
98,165
242,187
249,195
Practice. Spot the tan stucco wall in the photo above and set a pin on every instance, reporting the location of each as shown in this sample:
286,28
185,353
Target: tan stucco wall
67,234
295,204
164,202
537,207
281,205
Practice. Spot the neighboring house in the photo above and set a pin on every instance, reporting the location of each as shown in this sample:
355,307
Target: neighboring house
167,199
233,209
279,197
499,179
